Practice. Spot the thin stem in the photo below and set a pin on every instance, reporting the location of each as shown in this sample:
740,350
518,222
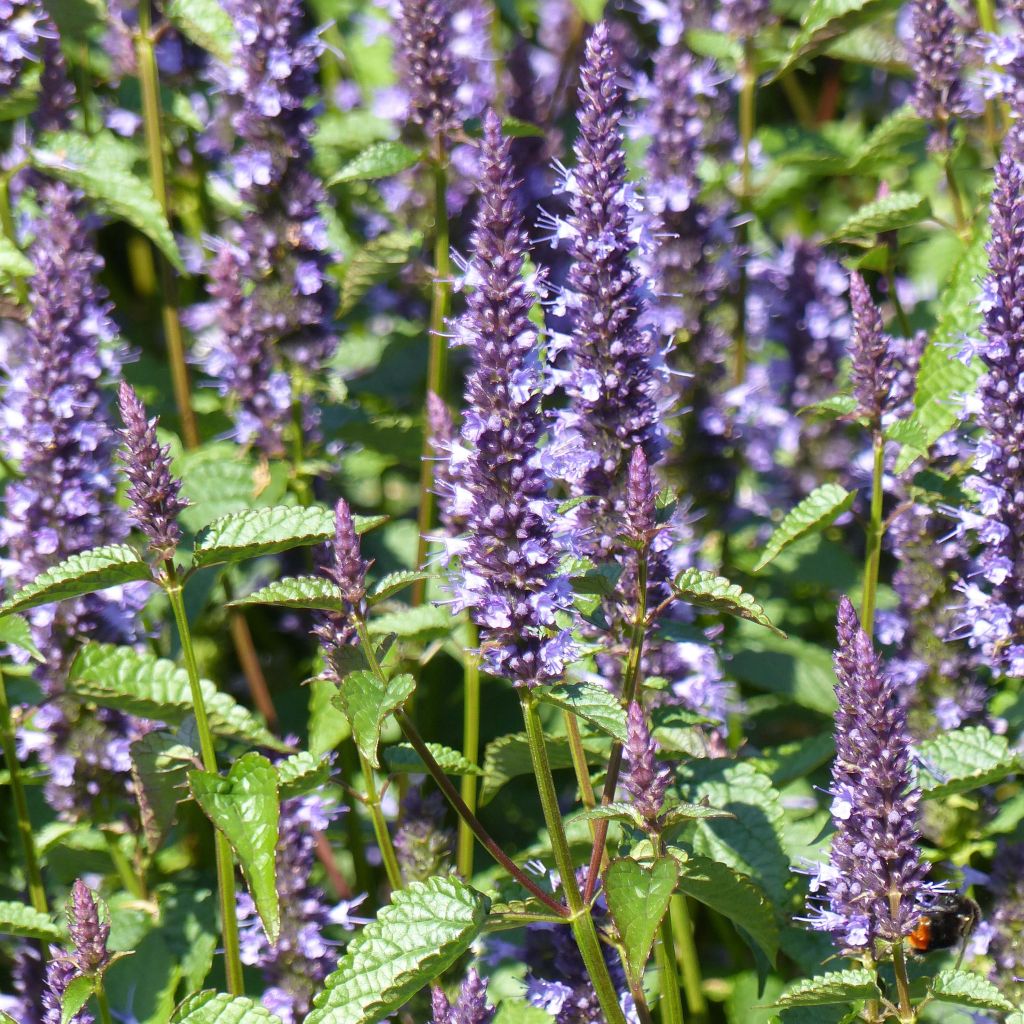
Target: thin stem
688,958
582,923
437,360
670,1003
225,864
470,750
962,225
875,532
33,873
899,966
798,101
579,761
746,116
123,866
102,1004
149,82
380,826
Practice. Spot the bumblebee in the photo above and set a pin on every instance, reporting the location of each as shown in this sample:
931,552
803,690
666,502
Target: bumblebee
949,919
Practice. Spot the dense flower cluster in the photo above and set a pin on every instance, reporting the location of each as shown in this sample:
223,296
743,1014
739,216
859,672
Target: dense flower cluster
422,844
343,564
470,1007
871,357
646,781
22,29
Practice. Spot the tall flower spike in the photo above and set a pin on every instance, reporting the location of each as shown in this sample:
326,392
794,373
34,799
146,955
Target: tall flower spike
874,882
993,617
641,493
936,52
612,382
872,370
509,559
88,933
646,781
154,493
470,1007
745,18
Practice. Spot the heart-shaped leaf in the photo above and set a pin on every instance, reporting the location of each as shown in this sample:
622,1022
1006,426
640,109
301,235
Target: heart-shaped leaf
367,701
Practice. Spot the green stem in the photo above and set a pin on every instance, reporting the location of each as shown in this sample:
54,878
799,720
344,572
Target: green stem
129,879
688,958
670,1002
470,750
582,923
33,874
746,117
437,360
380,827
353,826
10,232
225,865
579,761
875,532
149,82
962,225
103,1005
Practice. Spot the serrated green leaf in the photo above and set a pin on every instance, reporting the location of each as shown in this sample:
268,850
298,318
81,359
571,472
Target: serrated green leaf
901,127
427,622
266,531
618,810
328,725
707,590
216,1008
638,896
592,703
962,760
380,160
96,569
425,929
218,482
188,927
367,701
891,212
509,756
13,262
965,988
402,757
395,582
75,996
149,687
834,405
89,163
834,987
817,511
691,812
300,773
373,262
26,922
733,895
16,631
246,808
207,24
313,592
160,764
800,670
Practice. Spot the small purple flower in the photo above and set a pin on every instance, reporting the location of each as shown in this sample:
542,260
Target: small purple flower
871,356
470,1007
442,440
60,972
22,28
88,933
646,781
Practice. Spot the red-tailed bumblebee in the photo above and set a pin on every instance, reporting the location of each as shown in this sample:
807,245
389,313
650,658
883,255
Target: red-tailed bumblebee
950,918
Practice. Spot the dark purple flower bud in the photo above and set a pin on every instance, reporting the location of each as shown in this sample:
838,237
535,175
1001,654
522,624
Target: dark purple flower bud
60,972
88,933
422,843
426,65
154,491
874,881
510,558
470,1007
871,357
647,780
641,492
936,51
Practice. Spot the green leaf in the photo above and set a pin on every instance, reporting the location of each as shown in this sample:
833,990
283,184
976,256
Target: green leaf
380,160
13,262
313,592
216,1008
402,758
92,164
800,670
509,756
824,21
374,262
592,703
834,406
266,531
149,687
901,127
27,923
618,810
96,569
207,24
300,773
367,702
965,988
427,622
395,582
425,929
245,807
517,1011
834,987
706,590
896,210
691,812
962,760
818,510
328,725
733,895
75,996
217,482
638,896
16,631
160,764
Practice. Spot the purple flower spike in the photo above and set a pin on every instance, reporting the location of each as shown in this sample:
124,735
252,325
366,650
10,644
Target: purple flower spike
154,491
646,781
936,52
88,933
641,492
22,26
509,559
471,1006
875,879
427,66
872,371
60,972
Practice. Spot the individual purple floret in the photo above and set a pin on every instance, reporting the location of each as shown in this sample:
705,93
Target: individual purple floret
875,878
22,27
470,1007
154,491
295,967
613,380
509,560
871,357
88,933
646,781
992,617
